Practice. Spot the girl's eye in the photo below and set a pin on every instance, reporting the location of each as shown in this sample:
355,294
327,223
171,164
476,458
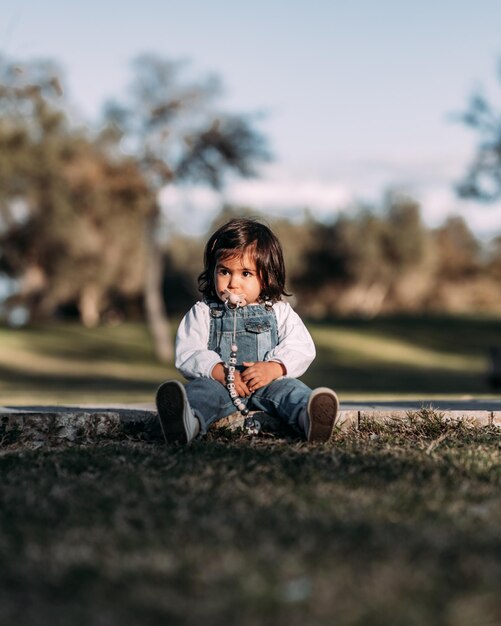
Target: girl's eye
246,274
222,272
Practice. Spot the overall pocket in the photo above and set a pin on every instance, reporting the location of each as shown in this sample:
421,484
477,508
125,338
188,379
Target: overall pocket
259,333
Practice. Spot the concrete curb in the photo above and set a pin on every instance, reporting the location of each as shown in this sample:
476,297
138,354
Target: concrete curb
38,426
476,412
41,426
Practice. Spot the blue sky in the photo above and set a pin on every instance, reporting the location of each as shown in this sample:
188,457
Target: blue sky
357,96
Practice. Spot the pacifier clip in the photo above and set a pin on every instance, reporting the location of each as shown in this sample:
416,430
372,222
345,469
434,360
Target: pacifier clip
251,425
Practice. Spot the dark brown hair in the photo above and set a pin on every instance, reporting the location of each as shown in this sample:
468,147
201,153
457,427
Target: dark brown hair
235,238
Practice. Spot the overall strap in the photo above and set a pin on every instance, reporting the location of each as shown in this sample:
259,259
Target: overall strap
216,308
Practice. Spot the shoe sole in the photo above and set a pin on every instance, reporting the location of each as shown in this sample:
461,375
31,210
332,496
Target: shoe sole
323,407
171,401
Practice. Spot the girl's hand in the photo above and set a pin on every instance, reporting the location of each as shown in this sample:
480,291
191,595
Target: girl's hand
219,374
240,387
260,373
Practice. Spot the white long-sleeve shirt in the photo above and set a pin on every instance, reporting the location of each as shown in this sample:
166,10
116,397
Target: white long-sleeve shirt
295,348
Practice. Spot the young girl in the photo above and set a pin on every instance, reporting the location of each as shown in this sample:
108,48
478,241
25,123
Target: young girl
242,347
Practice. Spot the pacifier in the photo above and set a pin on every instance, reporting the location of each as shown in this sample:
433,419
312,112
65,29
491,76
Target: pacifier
233,300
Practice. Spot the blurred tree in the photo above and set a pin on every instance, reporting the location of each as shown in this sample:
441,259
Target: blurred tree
367,261
494,259
482,180
457,250
405,239
172,128
69,210
348,251
297,239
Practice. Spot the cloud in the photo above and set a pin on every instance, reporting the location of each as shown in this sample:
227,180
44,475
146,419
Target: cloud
290,193
284,193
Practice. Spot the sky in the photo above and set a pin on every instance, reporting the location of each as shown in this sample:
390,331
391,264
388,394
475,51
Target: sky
355,98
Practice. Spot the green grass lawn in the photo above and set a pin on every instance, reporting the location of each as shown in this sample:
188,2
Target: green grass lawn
394,525
60,363
387,526
419,357
395,357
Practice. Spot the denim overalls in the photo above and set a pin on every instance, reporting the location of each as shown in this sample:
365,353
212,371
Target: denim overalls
256,335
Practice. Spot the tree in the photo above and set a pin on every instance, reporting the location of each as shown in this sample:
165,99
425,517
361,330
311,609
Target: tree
482,180
368,261
176,134
70,210
457,250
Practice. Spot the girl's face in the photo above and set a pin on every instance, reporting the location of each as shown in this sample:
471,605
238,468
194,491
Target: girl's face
238,275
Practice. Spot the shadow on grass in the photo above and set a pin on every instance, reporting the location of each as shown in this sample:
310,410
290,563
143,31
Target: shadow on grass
331,370
35,383
449,334
125,343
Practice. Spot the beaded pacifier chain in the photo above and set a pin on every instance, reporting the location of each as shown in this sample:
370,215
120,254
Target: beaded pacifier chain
251,425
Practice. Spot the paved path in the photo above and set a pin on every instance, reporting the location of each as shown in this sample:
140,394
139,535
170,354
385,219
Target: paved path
441,405
467,405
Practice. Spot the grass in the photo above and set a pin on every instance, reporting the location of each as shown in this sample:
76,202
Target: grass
394,357
394,524
390,525
68,363
406,356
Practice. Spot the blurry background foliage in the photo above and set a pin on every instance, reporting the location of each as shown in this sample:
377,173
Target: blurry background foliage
79,210
82,233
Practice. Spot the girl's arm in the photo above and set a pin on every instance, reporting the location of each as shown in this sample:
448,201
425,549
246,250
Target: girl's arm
295,349
193,359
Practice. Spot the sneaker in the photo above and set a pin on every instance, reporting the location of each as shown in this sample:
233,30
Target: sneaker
176,417
322,409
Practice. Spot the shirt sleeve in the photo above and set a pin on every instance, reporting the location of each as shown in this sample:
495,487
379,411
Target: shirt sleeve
193,358
295,348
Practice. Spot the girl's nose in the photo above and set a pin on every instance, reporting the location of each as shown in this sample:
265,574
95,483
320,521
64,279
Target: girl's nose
233,281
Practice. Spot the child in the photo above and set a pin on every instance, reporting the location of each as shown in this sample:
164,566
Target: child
242,341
